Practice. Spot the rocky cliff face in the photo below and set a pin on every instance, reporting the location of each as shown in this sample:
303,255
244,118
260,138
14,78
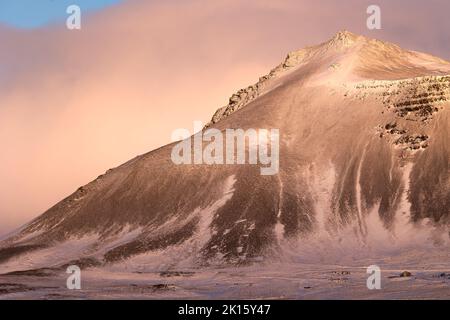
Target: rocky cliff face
364,165
413,104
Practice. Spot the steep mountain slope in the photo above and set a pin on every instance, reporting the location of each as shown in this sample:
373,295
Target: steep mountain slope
364,163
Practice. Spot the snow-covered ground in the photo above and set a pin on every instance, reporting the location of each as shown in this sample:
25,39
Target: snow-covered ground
273,281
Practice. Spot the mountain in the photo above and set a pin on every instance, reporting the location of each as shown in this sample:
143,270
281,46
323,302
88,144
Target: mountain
363,167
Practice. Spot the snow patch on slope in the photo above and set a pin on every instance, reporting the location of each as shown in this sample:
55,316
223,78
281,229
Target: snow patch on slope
187,253
52,256
348,243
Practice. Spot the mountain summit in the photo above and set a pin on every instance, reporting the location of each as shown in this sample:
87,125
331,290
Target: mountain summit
345,59
364,167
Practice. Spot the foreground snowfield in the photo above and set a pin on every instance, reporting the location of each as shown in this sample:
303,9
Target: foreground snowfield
429,280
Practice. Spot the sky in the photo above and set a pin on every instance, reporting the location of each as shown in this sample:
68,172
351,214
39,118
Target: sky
28,14
74,103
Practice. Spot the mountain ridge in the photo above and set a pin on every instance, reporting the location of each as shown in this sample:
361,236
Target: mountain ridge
343,40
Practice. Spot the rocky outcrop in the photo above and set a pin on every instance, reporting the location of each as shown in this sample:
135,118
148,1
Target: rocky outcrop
244,96
413,103
415,99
